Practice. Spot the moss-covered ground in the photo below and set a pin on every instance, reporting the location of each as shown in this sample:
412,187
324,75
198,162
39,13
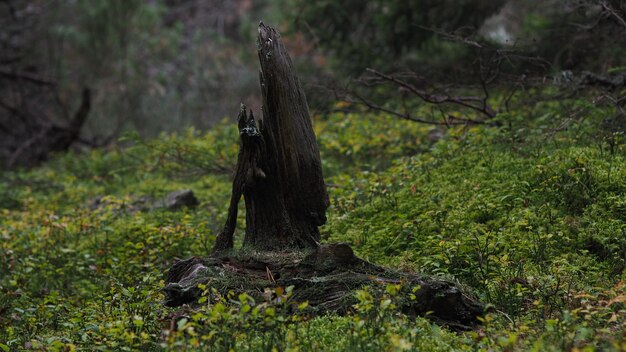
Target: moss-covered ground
530,215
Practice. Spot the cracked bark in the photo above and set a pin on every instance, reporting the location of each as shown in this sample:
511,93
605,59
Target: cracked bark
278,171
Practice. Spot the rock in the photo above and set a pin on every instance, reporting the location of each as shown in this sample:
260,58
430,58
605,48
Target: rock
143,203
179,199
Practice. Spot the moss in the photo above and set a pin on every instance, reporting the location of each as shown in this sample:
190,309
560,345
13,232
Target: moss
485,207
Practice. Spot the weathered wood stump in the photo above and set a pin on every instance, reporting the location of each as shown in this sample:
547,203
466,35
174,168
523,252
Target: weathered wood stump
279,175
325,278
279,172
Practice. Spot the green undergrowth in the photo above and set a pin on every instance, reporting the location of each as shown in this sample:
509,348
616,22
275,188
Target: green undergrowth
530,215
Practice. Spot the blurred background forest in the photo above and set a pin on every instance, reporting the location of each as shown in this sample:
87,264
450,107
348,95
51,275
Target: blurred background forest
80,73
481,141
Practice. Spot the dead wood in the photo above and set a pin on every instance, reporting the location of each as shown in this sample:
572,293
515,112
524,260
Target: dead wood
279,175
327,279
278,170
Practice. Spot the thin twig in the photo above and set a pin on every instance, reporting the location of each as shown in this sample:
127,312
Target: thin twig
450,120
26,76
613,13
465,101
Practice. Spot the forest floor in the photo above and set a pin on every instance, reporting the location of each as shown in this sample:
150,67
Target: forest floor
529,216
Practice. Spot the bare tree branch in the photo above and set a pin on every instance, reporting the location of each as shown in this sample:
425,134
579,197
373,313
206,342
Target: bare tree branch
478,104
448,121
608,8
25,76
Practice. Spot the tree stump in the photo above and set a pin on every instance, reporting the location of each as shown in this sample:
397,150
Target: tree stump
279,175
326,278
279,171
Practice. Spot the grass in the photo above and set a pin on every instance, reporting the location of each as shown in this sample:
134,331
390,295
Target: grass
530,216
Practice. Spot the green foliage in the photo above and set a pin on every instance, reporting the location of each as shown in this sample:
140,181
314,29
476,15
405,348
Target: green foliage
238,322
530,216
352,142
594,43
448,41
386,34
151,65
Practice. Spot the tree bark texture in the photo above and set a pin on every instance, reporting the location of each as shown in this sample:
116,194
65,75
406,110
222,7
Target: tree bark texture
279,170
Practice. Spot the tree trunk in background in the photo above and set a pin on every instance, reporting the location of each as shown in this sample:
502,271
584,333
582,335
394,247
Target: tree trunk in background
279,169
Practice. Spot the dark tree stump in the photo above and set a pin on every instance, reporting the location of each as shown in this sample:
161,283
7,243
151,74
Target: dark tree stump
326,278
279,175
279,171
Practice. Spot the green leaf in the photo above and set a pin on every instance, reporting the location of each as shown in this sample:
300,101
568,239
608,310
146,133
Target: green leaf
181,324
